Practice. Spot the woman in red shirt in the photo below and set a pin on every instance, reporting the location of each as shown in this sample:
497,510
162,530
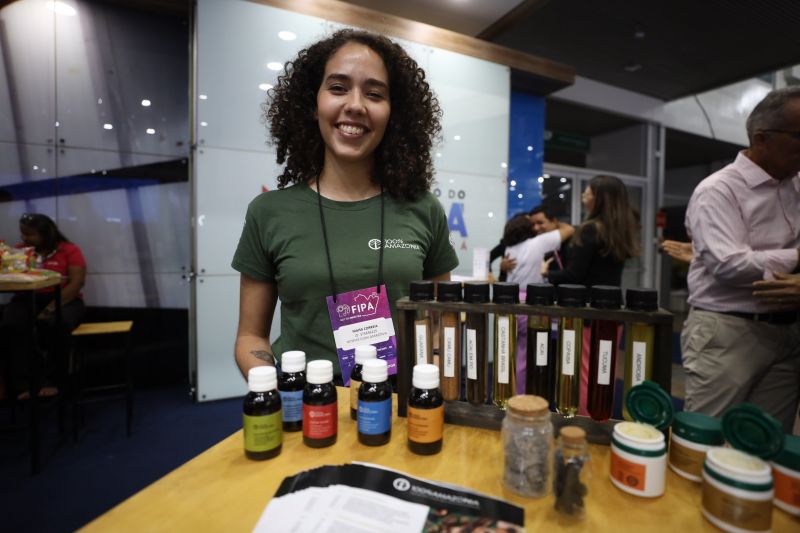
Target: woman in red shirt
53,251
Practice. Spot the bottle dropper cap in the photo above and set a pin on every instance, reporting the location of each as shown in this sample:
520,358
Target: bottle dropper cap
505,293
293,361
375,371
425,376
262,379
319,372
364,352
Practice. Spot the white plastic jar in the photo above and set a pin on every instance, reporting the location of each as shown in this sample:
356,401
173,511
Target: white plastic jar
638,459
786,475
737,491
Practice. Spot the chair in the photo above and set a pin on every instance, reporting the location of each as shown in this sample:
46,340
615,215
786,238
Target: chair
80,394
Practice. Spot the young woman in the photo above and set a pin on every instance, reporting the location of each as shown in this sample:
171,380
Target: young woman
353,119
599,249
53,251
607,237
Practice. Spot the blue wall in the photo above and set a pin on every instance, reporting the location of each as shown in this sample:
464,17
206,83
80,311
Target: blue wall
526,152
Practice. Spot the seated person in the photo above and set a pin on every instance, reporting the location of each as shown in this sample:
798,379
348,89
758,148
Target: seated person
54,252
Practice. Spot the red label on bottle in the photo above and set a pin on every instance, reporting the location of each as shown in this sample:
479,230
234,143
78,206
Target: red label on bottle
320,421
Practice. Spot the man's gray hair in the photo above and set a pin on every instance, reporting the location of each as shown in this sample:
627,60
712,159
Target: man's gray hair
768,113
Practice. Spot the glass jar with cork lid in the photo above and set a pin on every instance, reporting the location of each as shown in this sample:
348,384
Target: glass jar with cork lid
527,443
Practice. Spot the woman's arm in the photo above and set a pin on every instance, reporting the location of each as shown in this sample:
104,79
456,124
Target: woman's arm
257,301
580,259
76,278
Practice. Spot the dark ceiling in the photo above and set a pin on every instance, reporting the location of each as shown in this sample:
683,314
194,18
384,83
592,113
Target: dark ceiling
573,118
685,149
662,48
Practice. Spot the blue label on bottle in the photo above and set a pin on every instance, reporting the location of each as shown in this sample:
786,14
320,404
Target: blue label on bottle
374,418
292,405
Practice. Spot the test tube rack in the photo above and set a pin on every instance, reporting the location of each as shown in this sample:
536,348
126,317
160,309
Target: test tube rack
491,417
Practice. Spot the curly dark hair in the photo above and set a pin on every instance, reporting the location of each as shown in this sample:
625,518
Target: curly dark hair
403,164
518,229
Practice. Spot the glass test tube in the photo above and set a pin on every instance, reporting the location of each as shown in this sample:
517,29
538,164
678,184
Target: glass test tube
639,341
450,341
603,354
540,368
422,291
570,349
505,344
475,342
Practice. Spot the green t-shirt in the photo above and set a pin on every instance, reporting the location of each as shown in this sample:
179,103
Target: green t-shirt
282,243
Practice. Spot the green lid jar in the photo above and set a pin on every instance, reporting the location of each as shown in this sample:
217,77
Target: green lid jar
638,449
737,481
786,473
693,434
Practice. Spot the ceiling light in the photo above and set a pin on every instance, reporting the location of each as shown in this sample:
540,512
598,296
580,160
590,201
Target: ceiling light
633,67
35,167
204,123
438,154
274,65
203,97
541,179
530,148
145,103
519,196
150,131
108,126
286,35
638,32
491,214
99,101
504,165
62,8
513,183
264,86
563,180
456,137
546,176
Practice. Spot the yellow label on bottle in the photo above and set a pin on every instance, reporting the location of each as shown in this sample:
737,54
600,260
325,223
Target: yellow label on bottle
263,432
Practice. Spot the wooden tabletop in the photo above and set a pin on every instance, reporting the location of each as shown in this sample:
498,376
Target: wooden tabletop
221,490
12,282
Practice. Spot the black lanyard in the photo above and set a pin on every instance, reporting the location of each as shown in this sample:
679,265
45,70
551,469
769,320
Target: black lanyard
328,251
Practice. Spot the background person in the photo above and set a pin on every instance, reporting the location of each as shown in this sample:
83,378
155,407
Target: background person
53,252
744,222
598,250
354,120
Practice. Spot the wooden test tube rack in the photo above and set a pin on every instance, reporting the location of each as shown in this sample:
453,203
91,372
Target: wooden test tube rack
489,416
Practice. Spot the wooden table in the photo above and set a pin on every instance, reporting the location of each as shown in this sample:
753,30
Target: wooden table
221,490
11,284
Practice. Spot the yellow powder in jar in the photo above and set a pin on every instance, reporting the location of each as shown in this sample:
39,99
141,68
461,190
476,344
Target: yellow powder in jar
637,430
740,460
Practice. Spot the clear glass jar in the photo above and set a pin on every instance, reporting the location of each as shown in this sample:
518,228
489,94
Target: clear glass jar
527,444
571,472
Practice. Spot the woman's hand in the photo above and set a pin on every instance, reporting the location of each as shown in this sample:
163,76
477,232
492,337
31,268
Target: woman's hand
783,291
545,270
48,312
507,264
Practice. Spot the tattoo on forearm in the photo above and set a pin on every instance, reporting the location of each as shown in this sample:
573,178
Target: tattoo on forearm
264,356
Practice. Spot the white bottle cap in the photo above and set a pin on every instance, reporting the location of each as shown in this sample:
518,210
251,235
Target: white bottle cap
425,376
364,352
262,379
293,361
375,371
319,372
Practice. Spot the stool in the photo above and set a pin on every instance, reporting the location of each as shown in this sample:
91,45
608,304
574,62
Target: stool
76,369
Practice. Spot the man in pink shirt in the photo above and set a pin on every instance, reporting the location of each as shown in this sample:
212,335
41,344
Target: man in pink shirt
744,221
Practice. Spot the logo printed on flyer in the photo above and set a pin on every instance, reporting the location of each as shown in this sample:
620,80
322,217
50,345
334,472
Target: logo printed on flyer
401,484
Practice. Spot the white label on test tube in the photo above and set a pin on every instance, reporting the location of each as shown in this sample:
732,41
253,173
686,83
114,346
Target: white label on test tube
472,354
568,353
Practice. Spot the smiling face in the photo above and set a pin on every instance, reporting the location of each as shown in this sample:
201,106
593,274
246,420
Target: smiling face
353,105
542,224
